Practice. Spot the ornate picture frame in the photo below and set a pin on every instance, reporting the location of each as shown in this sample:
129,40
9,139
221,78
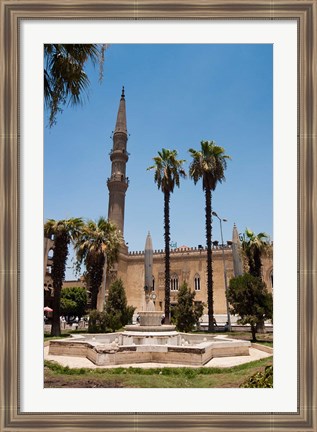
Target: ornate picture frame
12,12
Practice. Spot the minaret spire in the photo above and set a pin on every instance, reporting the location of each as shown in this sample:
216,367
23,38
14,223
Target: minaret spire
121,124
118,182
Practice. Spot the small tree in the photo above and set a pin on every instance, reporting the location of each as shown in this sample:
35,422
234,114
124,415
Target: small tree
249,298
255,247
97,322
187,312
73,301
117,310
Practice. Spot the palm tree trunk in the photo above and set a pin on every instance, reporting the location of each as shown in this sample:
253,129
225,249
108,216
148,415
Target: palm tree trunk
167,255
95,271
58,275
94,295
210,300
257,272
257,263
253,331
56,327
102,292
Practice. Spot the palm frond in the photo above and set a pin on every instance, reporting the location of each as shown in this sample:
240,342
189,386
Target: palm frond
167,170
209,164
65,79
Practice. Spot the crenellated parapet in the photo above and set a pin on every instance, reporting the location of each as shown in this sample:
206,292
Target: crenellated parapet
182,250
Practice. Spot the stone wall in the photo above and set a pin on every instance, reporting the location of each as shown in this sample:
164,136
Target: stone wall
185,264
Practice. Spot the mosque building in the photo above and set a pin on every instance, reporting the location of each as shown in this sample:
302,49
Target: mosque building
188,264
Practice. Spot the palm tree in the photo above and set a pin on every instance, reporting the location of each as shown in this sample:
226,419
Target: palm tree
167,172
62,232
209,164
254,246
64,76
97,245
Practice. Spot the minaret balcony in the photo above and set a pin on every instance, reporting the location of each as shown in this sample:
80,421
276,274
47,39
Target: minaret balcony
118,150
120,178
119,154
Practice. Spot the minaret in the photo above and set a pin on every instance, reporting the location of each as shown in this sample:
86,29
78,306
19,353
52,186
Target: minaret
118,182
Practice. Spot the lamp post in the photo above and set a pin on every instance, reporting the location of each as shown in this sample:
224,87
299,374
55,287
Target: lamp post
224,268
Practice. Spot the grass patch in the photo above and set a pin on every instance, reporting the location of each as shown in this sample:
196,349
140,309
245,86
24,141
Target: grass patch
48,337
64,334
265,338
267,343
262,338
133,377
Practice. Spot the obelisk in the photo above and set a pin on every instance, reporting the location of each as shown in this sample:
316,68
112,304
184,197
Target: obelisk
148,262
148,273
236,253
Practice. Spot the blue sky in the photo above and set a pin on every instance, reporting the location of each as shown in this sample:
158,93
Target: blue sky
176,96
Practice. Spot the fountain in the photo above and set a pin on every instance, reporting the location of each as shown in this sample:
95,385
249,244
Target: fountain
149,347
150,341
150,319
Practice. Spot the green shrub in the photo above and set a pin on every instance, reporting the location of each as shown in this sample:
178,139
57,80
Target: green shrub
187,312
260,379
116,314
249,298
113,320
127,315
117,310
97,322
73,301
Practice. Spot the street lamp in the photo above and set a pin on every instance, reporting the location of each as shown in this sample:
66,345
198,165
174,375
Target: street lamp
224,268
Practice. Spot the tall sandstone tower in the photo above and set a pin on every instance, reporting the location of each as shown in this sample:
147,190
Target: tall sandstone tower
118,182
117,185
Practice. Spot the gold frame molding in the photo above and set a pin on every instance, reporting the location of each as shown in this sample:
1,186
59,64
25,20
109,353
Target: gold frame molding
11,12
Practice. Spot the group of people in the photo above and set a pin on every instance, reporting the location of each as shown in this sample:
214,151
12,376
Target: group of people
74,321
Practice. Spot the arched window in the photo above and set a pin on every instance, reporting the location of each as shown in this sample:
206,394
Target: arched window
197,282
271,279
174,282
153,283
50,254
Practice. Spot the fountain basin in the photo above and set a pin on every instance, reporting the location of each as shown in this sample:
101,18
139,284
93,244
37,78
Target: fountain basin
150,328
160,347
150,318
